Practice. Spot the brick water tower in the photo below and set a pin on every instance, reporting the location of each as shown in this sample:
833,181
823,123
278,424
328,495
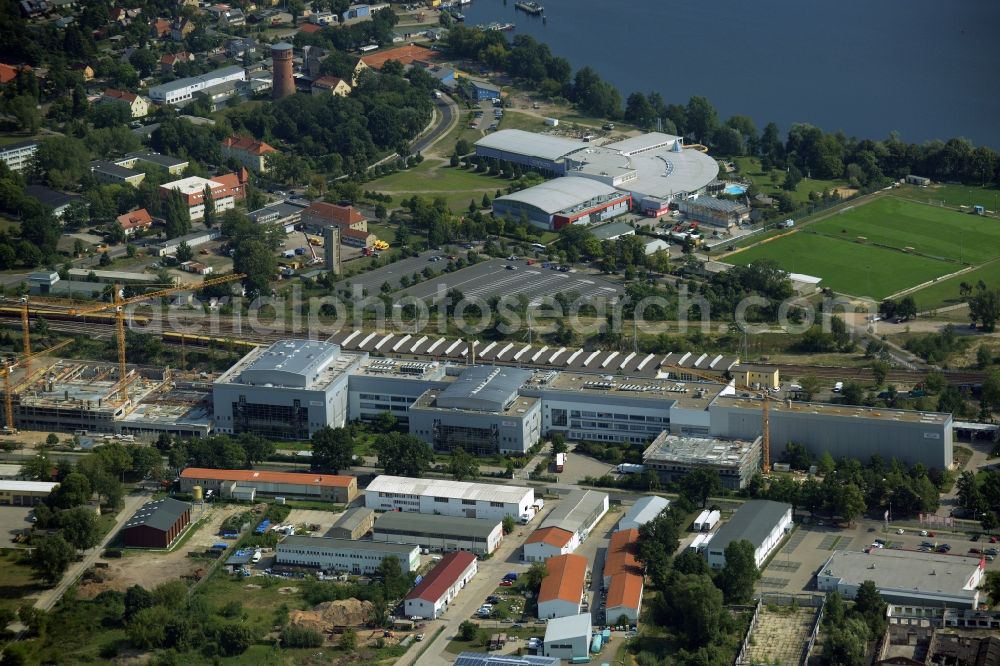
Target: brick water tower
282,83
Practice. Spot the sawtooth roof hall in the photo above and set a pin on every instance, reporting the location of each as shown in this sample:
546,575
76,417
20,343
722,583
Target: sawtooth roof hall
652,168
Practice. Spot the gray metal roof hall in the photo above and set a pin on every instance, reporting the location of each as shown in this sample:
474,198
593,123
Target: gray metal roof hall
484,388
432,525
159,514
753,522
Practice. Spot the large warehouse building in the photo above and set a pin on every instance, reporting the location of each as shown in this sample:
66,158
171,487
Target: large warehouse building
562,589
430,598
286,391
556,203
226,482
25,493
156,524
440,533
448,498
761,522
927,580
566,526
344,555
841,430
653,169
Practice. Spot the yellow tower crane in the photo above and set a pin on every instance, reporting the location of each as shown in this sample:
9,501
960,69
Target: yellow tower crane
765,408
8,391
119,304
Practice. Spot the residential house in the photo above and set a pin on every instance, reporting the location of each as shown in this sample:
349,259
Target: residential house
192,190
232,18
320,214
330,85
160,28
18,156
85,70
236,182
9,72
247,151
168,60
181,28
137,104
241,47
310,28
34,8
480,90
59,202
135,222
109,173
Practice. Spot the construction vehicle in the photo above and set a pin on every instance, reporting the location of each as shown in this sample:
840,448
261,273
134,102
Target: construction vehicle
765,409
312,251
316,241
8,390
381,245
119,304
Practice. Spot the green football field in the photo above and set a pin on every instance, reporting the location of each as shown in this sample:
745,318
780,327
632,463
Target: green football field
929,230
882,247
846,266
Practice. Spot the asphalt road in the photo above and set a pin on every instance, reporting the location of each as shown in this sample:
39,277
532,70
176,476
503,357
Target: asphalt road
491,278
448,111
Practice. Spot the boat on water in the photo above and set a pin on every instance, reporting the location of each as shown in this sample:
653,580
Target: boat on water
496,27
529,7
457,15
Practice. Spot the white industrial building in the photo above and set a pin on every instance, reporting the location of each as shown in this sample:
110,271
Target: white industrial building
440,533
556,203
761,522
286,391
566,526
485,501
344,555
482,412
644,510
441,585
182,91
906,577
568,637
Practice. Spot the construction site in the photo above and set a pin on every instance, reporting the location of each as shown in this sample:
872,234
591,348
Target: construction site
87,397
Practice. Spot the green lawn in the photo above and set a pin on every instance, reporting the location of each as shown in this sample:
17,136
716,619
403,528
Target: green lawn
929,230
846,266
16,579
945,292
951,195
770,182
432,179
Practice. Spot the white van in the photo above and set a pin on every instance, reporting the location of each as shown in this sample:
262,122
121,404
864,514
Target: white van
838,387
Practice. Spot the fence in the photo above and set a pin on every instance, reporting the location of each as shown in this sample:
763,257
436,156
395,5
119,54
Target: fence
816,601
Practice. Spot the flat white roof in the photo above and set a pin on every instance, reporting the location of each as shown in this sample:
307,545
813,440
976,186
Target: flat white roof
568,628
192,185
543,146
485,492
27,486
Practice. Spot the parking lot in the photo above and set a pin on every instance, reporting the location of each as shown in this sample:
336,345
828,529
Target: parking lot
12,520
492,278
372,281
792,569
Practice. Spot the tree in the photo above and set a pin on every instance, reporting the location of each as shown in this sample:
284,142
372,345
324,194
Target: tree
294,636
51,557
991,391
880,369
984,357
508,524
234,638
72,491
176,215
852,393
462,465
906,308
534,575
403,455
698,485
740,572
80,527
984,307
136,599
257,261
467,631
24,108
52,439
702,119
690,562
849,502
558,443
697,611
184,252
348,640
332,449
871,606
209,218
991,585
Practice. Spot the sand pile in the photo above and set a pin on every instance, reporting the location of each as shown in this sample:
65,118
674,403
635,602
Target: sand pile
330,614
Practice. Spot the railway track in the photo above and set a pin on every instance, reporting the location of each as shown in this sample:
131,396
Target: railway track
102,330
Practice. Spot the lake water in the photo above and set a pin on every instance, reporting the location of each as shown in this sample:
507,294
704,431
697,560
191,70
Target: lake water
925,68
